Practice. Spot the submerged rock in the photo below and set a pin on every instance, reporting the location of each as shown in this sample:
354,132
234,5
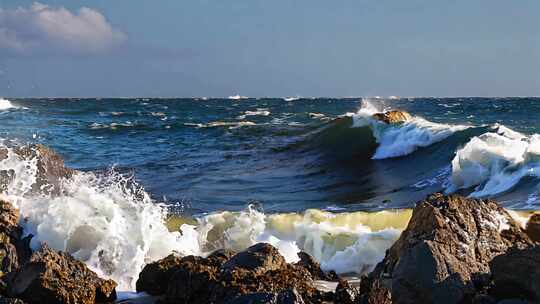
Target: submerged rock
449,242
391,117
516,274
56,277
50,168
533,227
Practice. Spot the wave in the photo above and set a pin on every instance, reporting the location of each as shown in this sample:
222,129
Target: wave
6,104
395,140
228,124
495,162
237,97
258,112
107,221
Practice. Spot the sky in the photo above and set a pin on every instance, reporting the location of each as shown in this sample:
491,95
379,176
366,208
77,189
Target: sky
269,48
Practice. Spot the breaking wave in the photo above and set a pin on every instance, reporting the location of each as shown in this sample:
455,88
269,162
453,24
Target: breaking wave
6,104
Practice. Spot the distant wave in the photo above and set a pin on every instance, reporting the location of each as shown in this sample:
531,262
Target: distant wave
258,112
238,97
403,138
6,104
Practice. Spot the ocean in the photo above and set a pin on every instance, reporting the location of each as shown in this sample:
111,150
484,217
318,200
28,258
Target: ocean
321,175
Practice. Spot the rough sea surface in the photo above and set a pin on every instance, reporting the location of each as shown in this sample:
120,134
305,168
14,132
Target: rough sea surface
318,175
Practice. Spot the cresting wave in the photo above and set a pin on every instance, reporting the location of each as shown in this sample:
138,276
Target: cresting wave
6,104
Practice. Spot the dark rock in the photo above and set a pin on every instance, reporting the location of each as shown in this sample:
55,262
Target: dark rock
533,227
51,169
345,293
11,301
449,241
56,277
516,274
155,277
14,249
314,268
373,292
391,117
290,296
193,281
258,259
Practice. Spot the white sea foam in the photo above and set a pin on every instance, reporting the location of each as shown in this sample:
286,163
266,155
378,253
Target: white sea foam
238,97
258,112
403,138
6,104
495,162
108,222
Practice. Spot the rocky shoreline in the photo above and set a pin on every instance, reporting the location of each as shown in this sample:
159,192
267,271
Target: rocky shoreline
454,250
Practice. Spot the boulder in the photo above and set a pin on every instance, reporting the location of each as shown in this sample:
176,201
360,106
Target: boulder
516,274
314,268
14,249
50,168
373,292
533,227
56,277
155,277
392,117
345,294
447,244
257,259
290,296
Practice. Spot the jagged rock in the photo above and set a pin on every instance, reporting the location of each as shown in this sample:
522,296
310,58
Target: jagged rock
224,276
373,292
344,294
11,301
290,296
314,268
533,227
391,117
50,168
516,274
56,277
155,277
258,259
14,249
449,241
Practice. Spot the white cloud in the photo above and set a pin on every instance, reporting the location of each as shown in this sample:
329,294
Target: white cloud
45,28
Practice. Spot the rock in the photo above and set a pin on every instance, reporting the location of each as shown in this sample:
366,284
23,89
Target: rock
533,227
373,292
392,117
290,296
345,294
56,277
193,281
223,277
448,242
516,274
3,153
155,277
11,301
314,268
258,259
14,249
50,168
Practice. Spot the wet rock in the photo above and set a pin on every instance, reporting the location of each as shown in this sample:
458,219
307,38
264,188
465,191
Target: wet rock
194,281
449,241
345,293
372,291
50,168
14,249
533,227
392,117
516,274
11,301
290,296
56,277
155,277
314,268
258,259
3,153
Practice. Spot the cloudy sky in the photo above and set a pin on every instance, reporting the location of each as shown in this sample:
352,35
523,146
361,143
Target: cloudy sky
269,48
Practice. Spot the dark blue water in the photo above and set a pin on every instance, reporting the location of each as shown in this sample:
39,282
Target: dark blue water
287,155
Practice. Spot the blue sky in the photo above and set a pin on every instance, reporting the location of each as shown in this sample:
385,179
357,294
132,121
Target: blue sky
269,48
